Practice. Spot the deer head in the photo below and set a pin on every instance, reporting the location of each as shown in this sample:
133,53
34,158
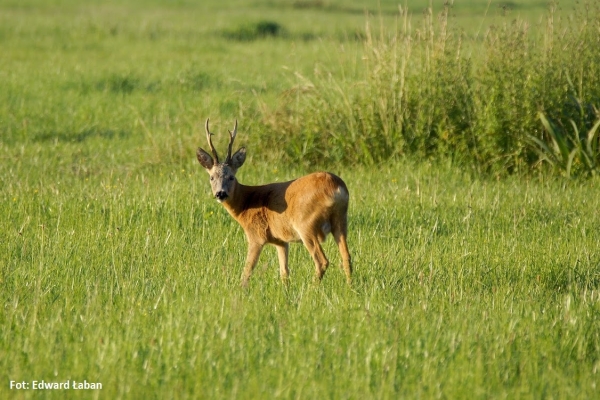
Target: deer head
222,175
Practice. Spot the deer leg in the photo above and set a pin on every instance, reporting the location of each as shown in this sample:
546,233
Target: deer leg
316,251
254,250
282,253
340,239
340,232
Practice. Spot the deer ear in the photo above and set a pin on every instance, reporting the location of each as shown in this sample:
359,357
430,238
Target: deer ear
204,158
237,160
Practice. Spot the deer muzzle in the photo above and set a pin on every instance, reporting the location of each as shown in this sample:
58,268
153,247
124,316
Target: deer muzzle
221,195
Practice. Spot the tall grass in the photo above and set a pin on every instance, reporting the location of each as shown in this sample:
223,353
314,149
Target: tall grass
431,90
130,278
117,266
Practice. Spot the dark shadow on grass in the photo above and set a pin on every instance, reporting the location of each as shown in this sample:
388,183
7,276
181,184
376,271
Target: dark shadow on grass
249,32
81,136
563,277
325,6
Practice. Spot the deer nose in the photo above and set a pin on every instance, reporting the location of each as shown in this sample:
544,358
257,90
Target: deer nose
221,195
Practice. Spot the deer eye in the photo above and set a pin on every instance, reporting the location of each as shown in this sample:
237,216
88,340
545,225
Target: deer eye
212,178
231,178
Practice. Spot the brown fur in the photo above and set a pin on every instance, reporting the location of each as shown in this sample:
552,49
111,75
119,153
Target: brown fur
303,210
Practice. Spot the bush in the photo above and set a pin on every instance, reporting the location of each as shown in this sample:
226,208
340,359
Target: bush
422,94
255,31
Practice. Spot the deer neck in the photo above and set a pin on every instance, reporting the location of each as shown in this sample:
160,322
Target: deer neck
235,203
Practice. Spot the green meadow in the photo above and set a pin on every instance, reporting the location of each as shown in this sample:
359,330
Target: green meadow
467,134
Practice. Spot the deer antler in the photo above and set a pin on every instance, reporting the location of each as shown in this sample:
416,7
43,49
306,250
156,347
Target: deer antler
212,148
231,139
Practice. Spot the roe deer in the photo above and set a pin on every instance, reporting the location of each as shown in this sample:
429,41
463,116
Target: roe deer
305,209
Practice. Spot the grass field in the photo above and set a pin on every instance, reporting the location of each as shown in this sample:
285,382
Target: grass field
117,267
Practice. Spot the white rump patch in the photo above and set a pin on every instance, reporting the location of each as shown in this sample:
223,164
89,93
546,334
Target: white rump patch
341,195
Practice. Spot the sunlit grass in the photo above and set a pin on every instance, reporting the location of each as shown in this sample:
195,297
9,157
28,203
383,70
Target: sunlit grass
117,266
131,278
